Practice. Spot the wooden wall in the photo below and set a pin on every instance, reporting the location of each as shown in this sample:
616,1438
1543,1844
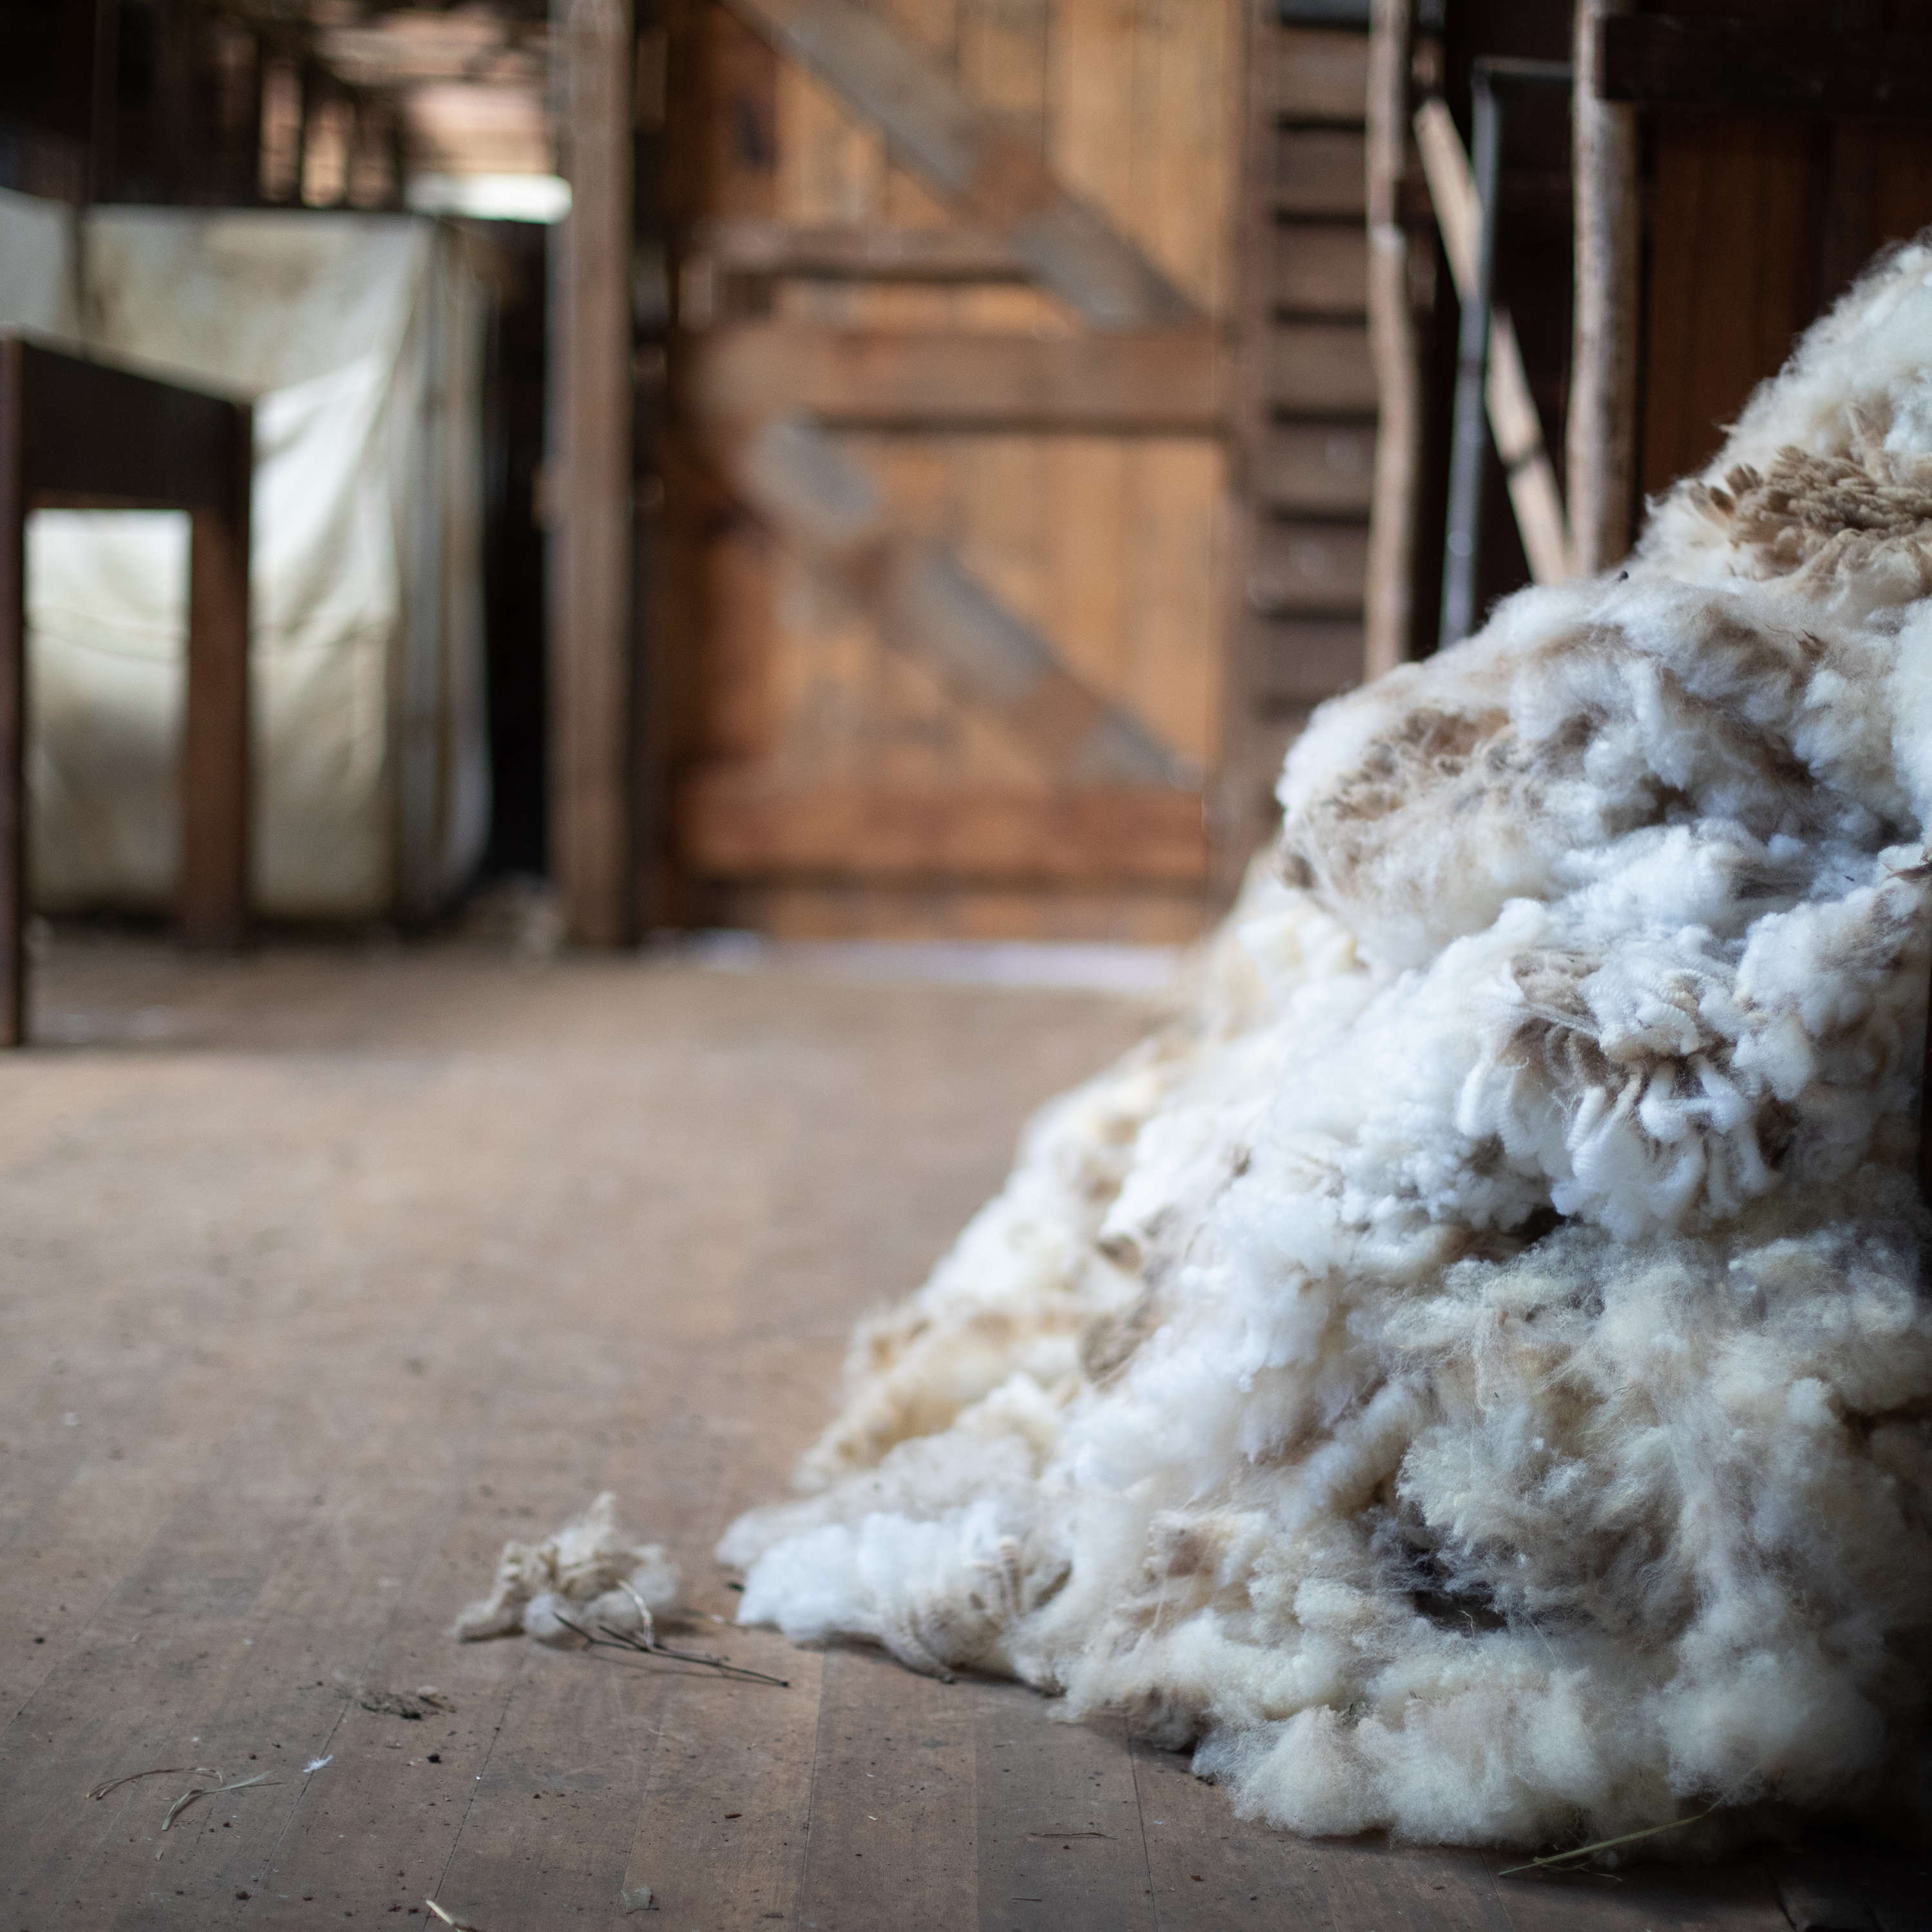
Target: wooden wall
824,781
1759,222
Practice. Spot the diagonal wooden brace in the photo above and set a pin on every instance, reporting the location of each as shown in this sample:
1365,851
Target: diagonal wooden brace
981,166
929,605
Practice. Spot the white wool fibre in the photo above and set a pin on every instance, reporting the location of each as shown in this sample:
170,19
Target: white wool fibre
589,1574
1470,1375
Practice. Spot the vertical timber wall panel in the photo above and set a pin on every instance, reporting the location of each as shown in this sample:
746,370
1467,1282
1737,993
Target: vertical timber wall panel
592,617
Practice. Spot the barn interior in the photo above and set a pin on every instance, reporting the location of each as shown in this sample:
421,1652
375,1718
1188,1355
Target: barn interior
762,555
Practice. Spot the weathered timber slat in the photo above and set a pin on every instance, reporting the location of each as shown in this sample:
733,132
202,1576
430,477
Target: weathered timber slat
1320,73
1321,368
1163,383
1326,468
740,824
980,162
1319,171
1306,659
1308,567
858,251
1746,61
1319,270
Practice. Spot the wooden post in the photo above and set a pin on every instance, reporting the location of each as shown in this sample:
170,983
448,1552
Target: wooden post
1602,432
215,786
13,694
591,603
1389,591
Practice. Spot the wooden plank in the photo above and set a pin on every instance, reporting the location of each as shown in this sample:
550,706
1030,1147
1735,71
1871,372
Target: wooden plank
1731,282
1326,468
1320,74
1209,1874
743,823
1320,368
1302,567
1600,433
1306,659
1241,804
1764,60
1319,171
95,434
1163,383
1389,615
1184,168
992,171
591,645
1179,581
945,909
216,792
857,251
1321,270
1061,1847
894,1837
13,692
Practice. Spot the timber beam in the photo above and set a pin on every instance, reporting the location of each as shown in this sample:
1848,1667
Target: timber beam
1164,382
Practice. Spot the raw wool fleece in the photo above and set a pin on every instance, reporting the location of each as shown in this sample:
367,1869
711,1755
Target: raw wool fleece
589,1573
1470,1375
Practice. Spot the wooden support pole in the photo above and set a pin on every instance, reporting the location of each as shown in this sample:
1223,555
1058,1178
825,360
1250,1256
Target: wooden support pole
1513,420
1388,609
591,646
214,773
1602,434
13,693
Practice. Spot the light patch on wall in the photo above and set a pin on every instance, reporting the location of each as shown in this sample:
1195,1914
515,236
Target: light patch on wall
491,197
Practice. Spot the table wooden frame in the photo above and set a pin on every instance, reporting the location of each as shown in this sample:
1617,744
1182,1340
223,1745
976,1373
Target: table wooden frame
80,434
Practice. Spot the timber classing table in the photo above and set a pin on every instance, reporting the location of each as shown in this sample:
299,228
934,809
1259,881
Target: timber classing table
80,434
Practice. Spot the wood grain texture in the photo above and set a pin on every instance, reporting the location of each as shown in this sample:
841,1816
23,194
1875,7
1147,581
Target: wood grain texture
950,909
894,1802
1060,1840
1732,281
737,825
1160,383
990,167
1067,466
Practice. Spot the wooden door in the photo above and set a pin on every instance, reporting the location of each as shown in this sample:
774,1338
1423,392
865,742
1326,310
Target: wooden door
950,585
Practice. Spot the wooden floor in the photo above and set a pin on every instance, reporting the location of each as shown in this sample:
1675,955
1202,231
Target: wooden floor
325,1272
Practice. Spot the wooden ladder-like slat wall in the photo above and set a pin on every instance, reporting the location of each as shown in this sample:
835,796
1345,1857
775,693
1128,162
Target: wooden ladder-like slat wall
1305,410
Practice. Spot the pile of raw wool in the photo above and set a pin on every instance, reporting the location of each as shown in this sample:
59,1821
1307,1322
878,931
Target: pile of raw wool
1470,1376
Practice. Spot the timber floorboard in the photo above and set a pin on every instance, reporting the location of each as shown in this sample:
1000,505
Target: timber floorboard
326,1270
